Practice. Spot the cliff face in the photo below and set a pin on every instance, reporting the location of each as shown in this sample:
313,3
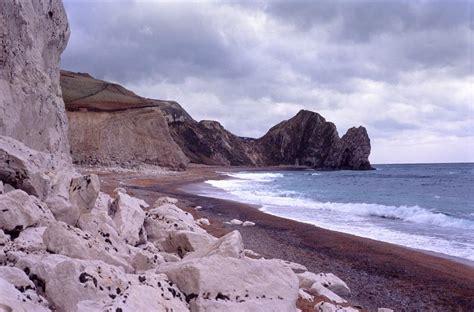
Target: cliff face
96,109
33,35
109,124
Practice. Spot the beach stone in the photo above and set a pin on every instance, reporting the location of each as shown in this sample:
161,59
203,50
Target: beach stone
236,222
330,307
248,223
384,310
24,168
198,208
203,221
165,200
66,240
20,210
229,245
12,299
128,216
120,189
328,280
2,190
83,192
318,289
217,283
31,239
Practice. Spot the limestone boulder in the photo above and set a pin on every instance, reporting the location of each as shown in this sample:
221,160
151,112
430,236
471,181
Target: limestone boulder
229,245
248,223
203,221
331,307
20,210
236,222
165,200
69,241
143,260
12,299
182,242
320,290
295,267
128,216
31,239
59,194
328,280
24,168
218,283
83,192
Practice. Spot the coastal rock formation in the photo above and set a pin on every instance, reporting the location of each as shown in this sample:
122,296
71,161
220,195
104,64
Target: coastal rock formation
33,35
110,125
101,132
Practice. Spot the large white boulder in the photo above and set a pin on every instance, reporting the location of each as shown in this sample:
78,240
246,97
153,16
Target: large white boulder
31,239
90,285
20,210
229,245
128,215
83,192
183,242
218,283
320,290
12,299
67,240
23,167
330,307
328,280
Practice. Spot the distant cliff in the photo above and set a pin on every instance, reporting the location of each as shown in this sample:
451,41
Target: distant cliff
110,124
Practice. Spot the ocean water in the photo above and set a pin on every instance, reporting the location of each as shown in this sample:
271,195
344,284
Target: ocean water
423,206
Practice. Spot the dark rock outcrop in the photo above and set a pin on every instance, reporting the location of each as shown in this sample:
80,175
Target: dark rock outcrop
307,139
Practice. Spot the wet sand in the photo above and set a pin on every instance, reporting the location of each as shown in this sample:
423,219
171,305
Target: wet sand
379,274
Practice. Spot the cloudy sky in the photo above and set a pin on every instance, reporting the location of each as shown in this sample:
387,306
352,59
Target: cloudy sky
402,69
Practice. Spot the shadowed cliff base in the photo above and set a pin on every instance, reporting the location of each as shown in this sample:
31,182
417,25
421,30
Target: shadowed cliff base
307,139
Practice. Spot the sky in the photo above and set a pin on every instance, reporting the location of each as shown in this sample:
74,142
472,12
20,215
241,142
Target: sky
402,69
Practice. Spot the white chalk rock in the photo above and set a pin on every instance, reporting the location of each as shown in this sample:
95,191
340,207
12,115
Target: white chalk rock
236,222
4,238
295,267
128,215
83,192
23,167
318,289
330,307
143,260
58,197
252,254
217,283
31,239
16,277
101,225
20,210
165,200
198,208
102,203
328,280
203,221
182,242
248,223
11,299
384,310
66,240
229,245
2,190
304,295
161,221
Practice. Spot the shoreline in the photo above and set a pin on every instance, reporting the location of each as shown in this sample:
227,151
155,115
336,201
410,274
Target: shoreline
379,274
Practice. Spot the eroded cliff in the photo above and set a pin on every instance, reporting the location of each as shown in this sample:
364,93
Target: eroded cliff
307,139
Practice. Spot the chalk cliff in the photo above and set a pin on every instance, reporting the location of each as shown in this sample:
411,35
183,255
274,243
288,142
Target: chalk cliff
307,139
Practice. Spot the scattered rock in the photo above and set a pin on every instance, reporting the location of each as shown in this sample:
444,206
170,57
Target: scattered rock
318,289
236,222
330,307
304,295
229,245
248,223
19,210
203,221
328,280
252,254
165,200
83,192
128,216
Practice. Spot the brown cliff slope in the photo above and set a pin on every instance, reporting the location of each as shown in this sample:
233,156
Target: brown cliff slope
109,125
306,139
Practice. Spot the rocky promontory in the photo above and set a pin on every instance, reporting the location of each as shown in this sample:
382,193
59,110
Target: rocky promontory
307,139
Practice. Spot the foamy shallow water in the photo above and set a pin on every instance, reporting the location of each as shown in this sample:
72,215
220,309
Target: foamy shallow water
395,204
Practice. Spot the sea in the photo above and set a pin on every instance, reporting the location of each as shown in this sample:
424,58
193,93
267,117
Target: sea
423,206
